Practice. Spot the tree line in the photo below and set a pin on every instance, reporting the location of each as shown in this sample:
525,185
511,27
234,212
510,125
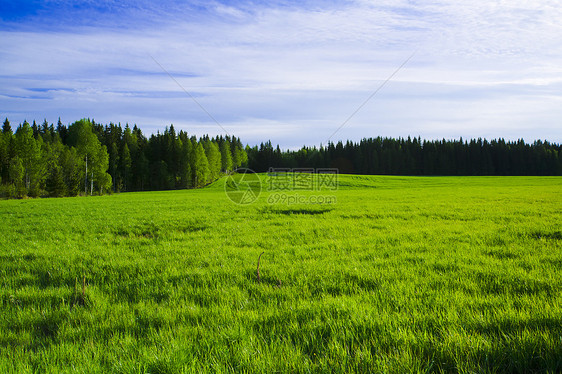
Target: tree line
89,158
412,156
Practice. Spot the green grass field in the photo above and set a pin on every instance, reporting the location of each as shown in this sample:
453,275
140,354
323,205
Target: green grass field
399,275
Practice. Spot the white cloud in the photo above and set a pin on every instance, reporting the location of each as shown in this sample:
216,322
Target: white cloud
481,69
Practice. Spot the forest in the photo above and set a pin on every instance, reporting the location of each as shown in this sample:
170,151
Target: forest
414,156
88,158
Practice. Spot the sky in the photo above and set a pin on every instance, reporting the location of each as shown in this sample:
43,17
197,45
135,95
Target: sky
293,72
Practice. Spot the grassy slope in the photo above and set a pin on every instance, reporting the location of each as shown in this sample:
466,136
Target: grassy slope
402,274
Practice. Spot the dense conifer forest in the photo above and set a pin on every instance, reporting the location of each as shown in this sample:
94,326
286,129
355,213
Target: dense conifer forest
414,156
88,158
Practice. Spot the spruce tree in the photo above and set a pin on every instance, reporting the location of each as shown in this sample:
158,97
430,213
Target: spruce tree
35,129
226,156
185,173
16,174
4,159
113,165
235,154
125,163
6,128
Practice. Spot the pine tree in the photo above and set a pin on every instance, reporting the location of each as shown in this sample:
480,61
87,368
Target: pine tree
4,159
16,174
6,128
226,156
62,130
235,154
54,179
125,163
113,164
186,153
35,129
142,171
55,182
139,165
45,132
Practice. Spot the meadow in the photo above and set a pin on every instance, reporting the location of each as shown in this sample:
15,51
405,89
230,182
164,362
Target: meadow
399,274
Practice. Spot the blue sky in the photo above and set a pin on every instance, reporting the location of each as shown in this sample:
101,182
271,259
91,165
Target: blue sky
289,71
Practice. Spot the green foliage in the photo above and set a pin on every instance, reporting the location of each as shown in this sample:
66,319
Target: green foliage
381,156
55,183
402,274
28,151
140,173
126,164
6,127
82,137
4,154
113,164
241,153
214,159
16,173
88,158
51,167
94,154
103,183
101,177
200,169
164,161
186,153
226,156
73,170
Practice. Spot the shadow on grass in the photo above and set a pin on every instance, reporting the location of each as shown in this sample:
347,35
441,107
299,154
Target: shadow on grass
555,235
309,210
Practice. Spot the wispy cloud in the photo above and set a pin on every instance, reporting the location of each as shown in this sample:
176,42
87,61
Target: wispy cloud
290,71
